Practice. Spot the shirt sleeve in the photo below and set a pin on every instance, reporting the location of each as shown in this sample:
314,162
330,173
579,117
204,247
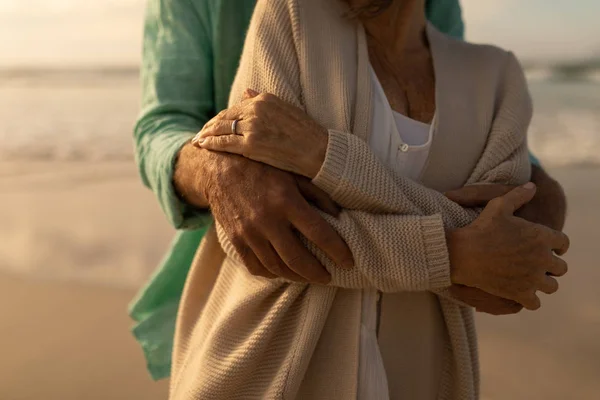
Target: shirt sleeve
177,99
534,160
446,16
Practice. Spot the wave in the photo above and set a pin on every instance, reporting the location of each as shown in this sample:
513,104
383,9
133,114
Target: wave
91,119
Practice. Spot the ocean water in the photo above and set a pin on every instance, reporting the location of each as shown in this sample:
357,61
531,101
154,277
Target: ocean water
89,116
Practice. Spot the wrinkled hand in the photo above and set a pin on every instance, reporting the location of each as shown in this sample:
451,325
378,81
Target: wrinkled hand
519,255
270,131
260,208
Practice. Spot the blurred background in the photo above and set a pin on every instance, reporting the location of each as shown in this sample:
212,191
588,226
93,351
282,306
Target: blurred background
79,234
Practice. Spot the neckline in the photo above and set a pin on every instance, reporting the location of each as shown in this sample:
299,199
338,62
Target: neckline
393,115
411,120
445,52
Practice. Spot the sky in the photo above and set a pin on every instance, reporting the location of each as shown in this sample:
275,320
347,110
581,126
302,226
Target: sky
108,32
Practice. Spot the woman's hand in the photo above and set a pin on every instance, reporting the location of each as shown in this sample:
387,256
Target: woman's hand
270,131
531,248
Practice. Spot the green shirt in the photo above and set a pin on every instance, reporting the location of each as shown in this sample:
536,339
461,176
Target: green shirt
191,51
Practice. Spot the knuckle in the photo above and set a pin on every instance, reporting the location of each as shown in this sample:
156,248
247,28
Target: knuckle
527,274
253,124
259,107
266,96
497,204
279,196
251,140
246,227
255,108
256,219
220,140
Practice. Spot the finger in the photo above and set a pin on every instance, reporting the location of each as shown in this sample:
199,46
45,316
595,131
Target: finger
297,257
516,198
272,262
249,93
251,262
224,127
226,143
477,195
560,242
318,231
318,197
530,301
549,285
558,267
236,111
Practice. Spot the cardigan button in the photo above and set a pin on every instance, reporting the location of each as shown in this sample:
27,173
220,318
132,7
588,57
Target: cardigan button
403,148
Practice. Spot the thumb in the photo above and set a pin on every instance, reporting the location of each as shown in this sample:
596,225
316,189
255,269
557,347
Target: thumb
518,197
249,93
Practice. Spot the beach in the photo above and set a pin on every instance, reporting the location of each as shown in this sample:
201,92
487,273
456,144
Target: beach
78,238
79,234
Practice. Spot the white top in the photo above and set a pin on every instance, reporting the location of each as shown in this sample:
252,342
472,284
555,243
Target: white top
403,145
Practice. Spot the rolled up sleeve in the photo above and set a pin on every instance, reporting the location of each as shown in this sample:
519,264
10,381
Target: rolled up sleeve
177,99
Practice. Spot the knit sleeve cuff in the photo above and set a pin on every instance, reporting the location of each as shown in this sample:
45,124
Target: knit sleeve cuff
436,251
332,170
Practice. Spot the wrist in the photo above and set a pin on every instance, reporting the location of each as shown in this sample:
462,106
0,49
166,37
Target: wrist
319,153
455,244
189,178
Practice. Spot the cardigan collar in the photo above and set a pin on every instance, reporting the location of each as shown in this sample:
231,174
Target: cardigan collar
438,172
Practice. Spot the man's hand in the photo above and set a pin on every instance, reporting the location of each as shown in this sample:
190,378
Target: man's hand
548,207
518,255
260,208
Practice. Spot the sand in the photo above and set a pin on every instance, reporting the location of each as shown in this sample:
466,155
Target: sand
64,341
76,239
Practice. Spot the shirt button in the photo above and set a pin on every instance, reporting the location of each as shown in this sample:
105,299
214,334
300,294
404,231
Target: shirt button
403,148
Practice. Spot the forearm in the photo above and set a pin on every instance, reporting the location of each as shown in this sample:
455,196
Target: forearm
392,253
357,180
549,206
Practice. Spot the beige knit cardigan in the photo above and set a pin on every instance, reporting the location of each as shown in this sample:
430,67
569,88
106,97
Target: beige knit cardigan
243,337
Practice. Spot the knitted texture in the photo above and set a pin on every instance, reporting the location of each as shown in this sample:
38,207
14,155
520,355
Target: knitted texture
243,337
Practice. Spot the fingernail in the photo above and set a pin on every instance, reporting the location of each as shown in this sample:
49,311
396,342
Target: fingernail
200,141
529,185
